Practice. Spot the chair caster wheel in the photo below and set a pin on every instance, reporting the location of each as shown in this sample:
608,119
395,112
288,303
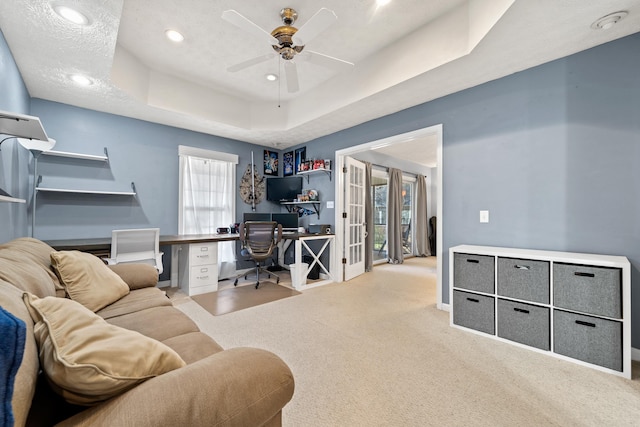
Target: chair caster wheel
235,283
277,280
257,284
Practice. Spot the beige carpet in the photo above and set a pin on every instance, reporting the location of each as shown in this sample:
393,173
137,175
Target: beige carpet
375,351
242,297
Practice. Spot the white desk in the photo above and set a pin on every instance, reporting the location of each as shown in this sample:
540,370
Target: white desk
300,245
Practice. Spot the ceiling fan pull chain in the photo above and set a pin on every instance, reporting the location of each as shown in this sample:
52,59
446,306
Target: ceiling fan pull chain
279,78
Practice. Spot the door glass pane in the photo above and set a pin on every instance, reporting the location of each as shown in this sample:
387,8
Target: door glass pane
379,203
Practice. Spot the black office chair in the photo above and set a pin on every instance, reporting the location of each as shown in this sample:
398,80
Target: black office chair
260,238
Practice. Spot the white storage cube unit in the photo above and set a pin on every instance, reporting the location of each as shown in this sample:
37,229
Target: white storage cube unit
570,305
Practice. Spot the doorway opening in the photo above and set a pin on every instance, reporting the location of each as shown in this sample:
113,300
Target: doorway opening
432,132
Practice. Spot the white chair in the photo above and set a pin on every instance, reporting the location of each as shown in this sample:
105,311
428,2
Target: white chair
136,246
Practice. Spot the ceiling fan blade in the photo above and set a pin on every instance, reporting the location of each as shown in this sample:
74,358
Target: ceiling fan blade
250,62
326,60
235,18
314,26
291,71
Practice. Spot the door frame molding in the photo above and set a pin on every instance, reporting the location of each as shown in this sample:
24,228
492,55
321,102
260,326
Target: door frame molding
339,196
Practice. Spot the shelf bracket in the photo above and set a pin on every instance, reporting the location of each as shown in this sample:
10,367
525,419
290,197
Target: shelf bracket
133,186
106,154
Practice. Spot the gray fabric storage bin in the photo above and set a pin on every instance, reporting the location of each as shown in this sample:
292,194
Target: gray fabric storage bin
524,279
594,290
524,323
474,311
474,272
586,338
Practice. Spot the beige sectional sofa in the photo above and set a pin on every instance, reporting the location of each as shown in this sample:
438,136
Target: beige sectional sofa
188,380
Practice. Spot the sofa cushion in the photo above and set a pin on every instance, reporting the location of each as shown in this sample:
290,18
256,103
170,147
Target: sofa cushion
159,323
137,300
24,385
88,360
136,275
87,279
29,266
193,346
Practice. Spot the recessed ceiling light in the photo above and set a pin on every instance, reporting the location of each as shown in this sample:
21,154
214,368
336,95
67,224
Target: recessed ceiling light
174,36
271,77
609,21
383,2
81,80
71,15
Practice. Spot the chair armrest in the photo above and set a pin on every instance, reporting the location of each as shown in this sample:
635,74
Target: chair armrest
137,276
236,387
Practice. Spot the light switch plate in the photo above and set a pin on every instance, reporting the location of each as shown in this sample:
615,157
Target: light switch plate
484,216
330,204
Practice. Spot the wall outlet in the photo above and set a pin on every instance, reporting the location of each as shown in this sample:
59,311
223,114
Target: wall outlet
484,216
330,204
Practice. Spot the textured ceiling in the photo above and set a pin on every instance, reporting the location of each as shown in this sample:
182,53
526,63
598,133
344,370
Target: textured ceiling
405,53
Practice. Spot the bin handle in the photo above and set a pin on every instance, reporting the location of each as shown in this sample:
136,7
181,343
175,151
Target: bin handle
475,261
520,310
522,267
473,300
579,273
583,323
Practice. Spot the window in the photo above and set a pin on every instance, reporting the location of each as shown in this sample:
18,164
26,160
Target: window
379,193
207,198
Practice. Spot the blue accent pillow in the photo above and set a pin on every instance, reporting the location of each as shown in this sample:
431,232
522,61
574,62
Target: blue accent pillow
12,342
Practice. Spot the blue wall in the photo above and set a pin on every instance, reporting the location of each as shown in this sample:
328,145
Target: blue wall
13,159
141,152
552,152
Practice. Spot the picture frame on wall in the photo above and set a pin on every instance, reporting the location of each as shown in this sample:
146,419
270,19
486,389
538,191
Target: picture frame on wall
270,163
300,157
288,164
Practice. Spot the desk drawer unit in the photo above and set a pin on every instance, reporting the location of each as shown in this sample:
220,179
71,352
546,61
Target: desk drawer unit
198,268
202,275
524,279
590,339
524,323
474,272
474,311
593,290
203,254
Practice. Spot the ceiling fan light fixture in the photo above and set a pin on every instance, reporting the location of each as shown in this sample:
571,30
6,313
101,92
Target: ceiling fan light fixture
71,15
609,20
174,36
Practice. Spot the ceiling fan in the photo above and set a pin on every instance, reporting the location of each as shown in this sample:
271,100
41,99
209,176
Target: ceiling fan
288,41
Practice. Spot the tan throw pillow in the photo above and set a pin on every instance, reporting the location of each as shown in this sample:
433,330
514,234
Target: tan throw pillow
89,360
87,279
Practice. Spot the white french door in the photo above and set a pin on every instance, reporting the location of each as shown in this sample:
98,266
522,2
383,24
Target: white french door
354,223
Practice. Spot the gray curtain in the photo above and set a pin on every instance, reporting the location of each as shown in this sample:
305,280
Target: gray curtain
422,227
394,217
368,218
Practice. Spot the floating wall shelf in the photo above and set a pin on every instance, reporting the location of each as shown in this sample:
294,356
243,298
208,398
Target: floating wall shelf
100,158
15,125
292,205
314,171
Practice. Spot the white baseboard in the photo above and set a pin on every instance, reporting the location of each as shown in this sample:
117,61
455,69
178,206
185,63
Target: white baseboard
635,354
444,307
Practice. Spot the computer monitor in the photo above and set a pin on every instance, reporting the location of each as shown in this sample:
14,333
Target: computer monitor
289,221
256,216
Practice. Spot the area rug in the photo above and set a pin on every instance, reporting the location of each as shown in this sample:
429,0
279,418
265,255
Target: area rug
242,297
